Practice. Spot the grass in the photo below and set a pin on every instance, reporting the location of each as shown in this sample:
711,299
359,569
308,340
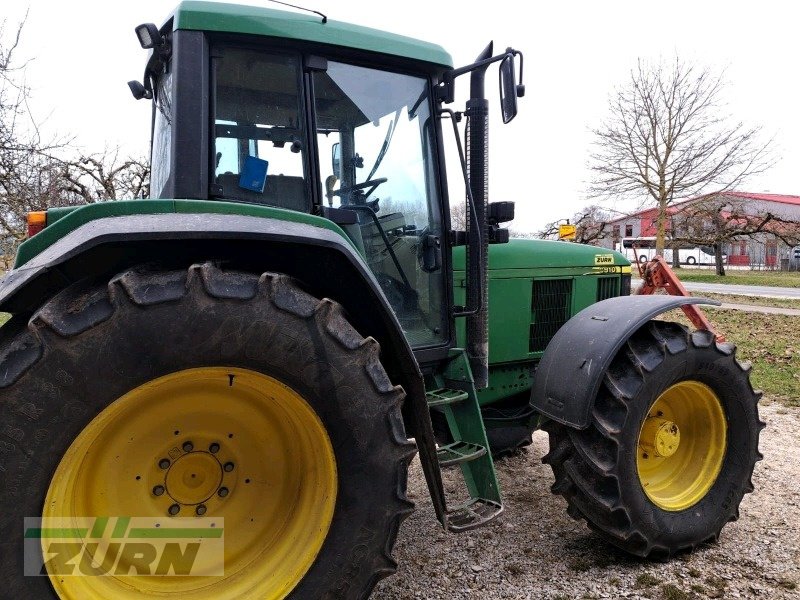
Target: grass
787,584
789,279
580,565
698,589
671,592
646,580
771,345
769,342
716,582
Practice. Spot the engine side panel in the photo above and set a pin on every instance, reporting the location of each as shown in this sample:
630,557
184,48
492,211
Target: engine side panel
535,286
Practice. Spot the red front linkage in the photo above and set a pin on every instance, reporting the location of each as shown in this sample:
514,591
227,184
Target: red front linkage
656,274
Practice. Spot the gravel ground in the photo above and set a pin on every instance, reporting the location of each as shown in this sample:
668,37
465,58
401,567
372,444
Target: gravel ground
534,550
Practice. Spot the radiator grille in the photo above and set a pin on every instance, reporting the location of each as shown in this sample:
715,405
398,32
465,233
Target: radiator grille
607,288
550,310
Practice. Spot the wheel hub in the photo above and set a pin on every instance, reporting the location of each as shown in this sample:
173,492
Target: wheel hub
660,437
193,478
681,445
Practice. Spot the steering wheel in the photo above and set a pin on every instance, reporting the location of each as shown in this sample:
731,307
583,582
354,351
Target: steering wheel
371,184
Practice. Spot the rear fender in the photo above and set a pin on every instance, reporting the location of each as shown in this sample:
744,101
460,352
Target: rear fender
573,365
323,261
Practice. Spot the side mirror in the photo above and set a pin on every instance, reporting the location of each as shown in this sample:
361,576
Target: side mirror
508,88
336,160
139,91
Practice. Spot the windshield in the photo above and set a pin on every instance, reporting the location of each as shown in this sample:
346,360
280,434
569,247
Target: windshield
374,135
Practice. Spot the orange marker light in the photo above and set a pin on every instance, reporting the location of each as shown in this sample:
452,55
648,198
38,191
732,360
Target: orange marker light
36,222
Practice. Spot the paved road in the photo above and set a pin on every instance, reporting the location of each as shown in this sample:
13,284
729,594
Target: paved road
740,290
767,310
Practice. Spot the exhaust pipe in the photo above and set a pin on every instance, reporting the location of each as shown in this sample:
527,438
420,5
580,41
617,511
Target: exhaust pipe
477,134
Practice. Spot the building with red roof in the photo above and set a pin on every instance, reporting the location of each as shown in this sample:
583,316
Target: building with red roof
764,249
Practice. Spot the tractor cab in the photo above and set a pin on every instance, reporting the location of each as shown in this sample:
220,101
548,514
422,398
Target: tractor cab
290,118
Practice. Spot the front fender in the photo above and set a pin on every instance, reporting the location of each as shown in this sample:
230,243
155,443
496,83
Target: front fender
573,365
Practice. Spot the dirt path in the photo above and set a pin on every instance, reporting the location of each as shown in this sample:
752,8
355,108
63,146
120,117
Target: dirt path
536,551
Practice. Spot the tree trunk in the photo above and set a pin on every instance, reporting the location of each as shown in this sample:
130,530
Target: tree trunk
718,259
661,223
676,258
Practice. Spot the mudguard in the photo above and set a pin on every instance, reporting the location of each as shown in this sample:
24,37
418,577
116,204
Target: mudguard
324,261
573,365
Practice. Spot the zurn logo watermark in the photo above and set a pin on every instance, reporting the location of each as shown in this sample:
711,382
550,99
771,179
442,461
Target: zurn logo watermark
119,546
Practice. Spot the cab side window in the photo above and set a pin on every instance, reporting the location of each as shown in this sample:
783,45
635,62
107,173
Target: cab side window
258,129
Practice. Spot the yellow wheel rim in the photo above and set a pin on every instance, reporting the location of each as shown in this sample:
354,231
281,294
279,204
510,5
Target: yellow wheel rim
681,445
218,442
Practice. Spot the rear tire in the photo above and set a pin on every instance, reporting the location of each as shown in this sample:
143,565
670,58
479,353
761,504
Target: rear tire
93,343
598,469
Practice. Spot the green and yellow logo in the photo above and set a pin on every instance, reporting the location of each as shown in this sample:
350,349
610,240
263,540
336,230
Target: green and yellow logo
120,546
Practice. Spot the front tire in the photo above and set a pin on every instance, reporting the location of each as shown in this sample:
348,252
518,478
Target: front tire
107,381
671,446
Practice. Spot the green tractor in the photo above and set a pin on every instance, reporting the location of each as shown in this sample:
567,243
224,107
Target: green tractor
264,346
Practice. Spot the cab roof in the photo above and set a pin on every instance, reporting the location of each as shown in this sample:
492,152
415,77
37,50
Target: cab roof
254,20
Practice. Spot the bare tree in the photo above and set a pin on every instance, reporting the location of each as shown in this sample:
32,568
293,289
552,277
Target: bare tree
27,175
106,176
668,137
33,173
35,180
458,216
591,225
549,231
717,219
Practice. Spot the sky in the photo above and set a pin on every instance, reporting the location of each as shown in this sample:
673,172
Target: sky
82,53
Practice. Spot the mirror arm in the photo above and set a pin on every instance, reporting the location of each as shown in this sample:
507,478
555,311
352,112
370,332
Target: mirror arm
446,92
520,86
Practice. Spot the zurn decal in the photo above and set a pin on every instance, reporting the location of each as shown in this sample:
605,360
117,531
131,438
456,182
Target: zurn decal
604,259
120,546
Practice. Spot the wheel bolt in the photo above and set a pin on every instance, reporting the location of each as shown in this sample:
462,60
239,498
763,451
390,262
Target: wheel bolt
164,463
158,490
174,509
223,491
188,446
228,467
200,510
213,448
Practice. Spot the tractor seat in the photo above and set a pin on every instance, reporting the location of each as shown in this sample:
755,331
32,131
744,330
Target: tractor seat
283,191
